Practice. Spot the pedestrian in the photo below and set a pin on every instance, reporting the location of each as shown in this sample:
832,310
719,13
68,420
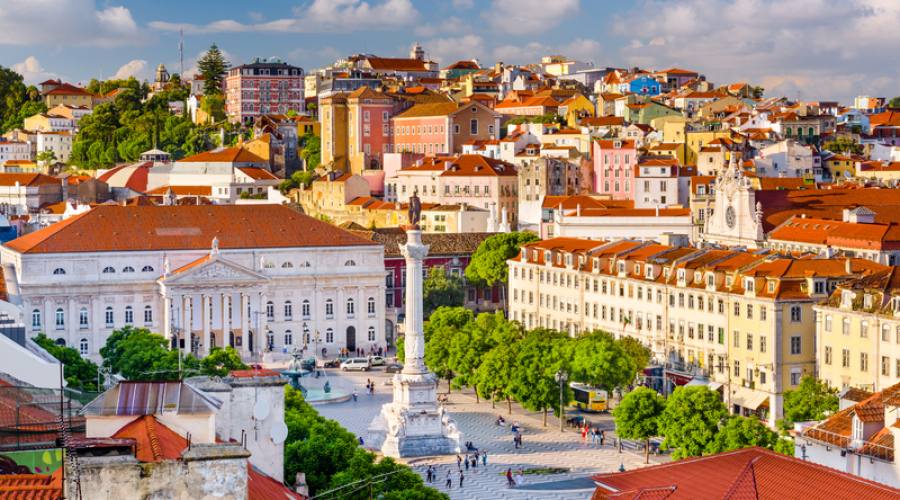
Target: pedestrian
458,461
509,478
430,473
602,437
593,435
516,440
475,461
355,395
461,477
484,458
361,442
467,462
449,481
584,434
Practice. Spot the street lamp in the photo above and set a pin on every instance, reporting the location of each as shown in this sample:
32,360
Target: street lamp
561,377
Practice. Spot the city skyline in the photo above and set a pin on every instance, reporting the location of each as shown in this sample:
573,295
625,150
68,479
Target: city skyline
809,49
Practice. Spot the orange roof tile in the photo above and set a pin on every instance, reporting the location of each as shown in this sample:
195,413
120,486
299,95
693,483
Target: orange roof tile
31,486
227,155
33,179
155,442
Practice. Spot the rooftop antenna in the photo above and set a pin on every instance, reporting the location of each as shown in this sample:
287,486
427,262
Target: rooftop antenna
181,53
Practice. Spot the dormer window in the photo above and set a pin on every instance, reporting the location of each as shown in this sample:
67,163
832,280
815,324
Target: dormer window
867,301
697,276
681,274
649,271
524,254
621,266
666,272
749,285
895,304
772,284
710,280
728,280
637,269
548,257
597,264
818,287
568,259
846,298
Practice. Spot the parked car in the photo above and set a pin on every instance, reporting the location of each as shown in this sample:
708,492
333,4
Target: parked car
361,364
332,363
308,363
393,368
377,360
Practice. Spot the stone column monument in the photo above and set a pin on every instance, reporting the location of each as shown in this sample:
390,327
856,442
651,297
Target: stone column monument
414,424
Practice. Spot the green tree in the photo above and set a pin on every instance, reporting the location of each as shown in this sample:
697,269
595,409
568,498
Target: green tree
13,94
598,359
79,373
741,432
214,106
311,150
441,290
494,376
488,264
894,102
26,109
138,354
540,355
220,362
637,416
444,324
297,179
691,420
757,92
811,400
471,344
637,351
46,157
212,66
844,145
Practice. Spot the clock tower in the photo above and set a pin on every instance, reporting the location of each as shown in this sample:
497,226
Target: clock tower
736,218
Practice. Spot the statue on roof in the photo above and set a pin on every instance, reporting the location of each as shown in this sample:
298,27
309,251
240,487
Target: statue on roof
415,210
215,246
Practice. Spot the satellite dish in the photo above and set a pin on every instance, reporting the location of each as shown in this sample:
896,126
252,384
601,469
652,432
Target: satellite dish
261,409
279,432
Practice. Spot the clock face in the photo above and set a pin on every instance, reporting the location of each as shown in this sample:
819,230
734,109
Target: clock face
729,216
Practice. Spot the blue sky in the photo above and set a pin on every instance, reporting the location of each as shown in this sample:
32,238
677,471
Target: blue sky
810,49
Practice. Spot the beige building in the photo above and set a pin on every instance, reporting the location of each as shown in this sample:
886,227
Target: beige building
734,319
858,333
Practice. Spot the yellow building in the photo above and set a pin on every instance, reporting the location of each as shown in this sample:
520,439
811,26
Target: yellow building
575,108
842,166
735,320
672,128
696,140
307,125
333,115
59,93
858,333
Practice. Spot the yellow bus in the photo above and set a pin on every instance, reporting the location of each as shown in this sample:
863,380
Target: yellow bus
590,399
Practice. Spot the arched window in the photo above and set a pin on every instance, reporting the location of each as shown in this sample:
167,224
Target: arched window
108,316
270,340
148,315
287,265
147,269
329,309
36,319
350,263
129,315
811,131
306,264
304,309
61,342
351,308
371,334
60,318
270,310
83,318
269,265
329,335
288,310
288,338
58,271
128,269
83,347
108,270
370,306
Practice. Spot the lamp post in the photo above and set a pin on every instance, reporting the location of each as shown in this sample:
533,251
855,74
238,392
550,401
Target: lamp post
561,377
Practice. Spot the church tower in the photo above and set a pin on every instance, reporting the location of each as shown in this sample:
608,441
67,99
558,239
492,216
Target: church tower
736,219
417,52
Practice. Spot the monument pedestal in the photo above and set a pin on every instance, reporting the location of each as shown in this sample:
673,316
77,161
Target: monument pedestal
414,424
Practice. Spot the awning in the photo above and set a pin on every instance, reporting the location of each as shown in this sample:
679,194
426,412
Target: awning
748,398
713,385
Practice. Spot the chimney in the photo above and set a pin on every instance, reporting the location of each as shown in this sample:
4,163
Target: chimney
848,265
578,210
300,485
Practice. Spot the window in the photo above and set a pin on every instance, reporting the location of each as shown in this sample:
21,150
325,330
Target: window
350,263
108,316
351,308
129,315
827,322
749,341
304,309
270,310
749,311
58,271
60,319
762,313
108,270
845,326
864,361
83,347
845,358
795,377
329,335
148,315
737,339
35,319
288,338
371,334
473,126
737,368
864,329
827,355
795,314
885,365
287,265
83,318
370,306
737,309
329,309
147,269
288,310
795,344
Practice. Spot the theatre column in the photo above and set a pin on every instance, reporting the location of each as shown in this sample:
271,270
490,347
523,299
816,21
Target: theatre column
205,319
245,324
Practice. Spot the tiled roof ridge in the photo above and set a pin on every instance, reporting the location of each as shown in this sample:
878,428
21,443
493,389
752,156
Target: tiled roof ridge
747,475
155,448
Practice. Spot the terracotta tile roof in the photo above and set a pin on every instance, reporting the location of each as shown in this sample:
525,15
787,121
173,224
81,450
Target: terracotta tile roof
430,109
779,205
439,243
68,89
30,180
610,143
678,71
31,486
602,121
265,372
155,442
855,394
258,174
746,473
467,165
111,228
396,64
182,191
226,155
838,233
262,487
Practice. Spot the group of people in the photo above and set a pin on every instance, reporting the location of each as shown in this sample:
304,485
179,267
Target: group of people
596,435
514,480
370,387
359,352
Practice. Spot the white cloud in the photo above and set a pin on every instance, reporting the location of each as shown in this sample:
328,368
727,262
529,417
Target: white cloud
136,68
529,16
322,16
32,71
448,50
451,25
66,22
463,4
579,49
811,49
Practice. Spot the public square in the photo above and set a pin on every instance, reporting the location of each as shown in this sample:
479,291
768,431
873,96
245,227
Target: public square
543,447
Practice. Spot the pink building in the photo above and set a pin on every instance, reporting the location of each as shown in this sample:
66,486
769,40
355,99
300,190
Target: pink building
368,128
262,87
614,161
443,127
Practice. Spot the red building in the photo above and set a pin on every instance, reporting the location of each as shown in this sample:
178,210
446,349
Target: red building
264,86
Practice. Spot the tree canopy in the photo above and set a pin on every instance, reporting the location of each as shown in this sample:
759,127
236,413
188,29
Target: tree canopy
598,359
844,145
441,290
14,97
811,400
212,66
80,373
443,325
741,432
220,362
637,416
541,354
894,102
311,150
488,264
691,420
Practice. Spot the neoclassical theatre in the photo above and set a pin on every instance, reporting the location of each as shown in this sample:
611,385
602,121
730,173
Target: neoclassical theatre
256,277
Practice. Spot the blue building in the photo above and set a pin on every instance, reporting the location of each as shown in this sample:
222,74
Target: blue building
645,85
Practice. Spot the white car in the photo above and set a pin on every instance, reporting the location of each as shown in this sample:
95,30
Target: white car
361,364
377,360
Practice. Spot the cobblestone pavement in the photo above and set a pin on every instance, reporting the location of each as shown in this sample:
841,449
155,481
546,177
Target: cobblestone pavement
543,446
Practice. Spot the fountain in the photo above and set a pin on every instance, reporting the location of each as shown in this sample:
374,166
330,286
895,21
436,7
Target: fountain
295,371
311,395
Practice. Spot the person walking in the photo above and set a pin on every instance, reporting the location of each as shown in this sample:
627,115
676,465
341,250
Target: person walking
458,462
461,477
602,437
509,478
584,433
449,481
516,440
467,461
484,458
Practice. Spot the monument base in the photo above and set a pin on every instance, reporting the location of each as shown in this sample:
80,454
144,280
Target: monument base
414,425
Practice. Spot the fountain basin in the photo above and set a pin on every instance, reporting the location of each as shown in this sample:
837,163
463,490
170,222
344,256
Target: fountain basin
320,397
